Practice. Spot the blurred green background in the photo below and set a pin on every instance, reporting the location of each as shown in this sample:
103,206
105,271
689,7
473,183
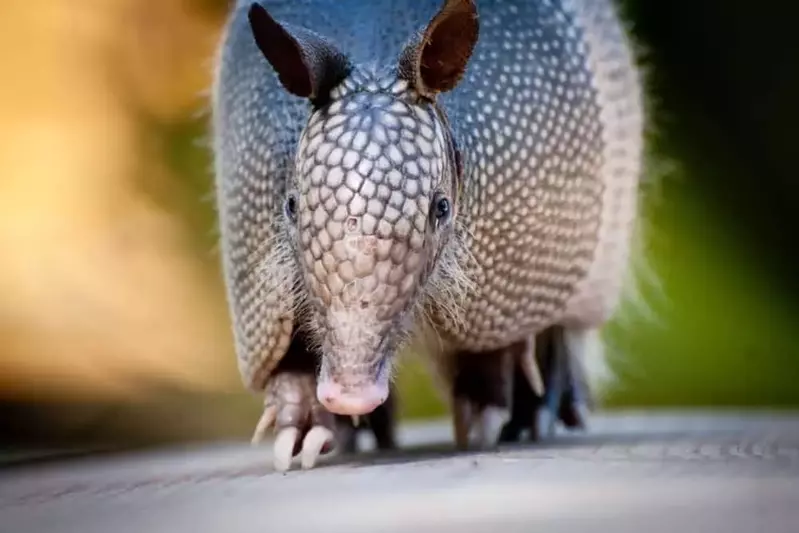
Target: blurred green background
113,326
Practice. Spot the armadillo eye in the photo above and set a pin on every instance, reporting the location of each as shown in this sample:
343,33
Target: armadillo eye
290,206
442,210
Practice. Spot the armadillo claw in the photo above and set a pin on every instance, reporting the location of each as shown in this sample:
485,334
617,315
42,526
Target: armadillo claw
484,423
314,443
302,425
284,448
489,425
264,423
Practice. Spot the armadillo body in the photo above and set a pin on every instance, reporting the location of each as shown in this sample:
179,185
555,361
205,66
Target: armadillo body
545,125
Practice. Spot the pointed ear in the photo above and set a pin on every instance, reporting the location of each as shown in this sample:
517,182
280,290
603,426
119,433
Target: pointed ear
435,61
307,64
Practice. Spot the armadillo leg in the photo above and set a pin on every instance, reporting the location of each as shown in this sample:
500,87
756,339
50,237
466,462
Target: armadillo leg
481,395
566,394
524,405
558,384
383,423
568,399
301,425
583,346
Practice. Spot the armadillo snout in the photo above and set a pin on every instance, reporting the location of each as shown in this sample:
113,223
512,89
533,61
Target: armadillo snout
340,401
356,362
353,400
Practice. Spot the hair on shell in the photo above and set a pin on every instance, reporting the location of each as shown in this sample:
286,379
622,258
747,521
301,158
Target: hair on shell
441,304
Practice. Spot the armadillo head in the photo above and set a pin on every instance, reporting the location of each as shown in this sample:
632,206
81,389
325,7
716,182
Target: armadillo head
374,192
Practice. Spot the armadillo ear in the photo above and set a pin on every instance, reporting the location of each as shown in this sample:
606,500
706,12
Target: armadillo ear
435,61
307,64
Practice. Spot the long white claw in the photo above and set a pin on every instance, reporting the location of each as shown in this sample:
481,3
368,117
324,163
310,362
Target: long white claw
531,370
284,448
461,410
312,445
266,420
490,424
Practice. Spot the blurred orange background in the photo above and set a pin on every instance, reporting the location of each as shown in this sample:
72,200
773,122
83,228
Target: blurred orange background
104,290
96,272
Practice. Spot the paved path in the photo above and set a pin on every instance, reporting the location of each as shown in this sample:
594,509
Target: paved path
634,472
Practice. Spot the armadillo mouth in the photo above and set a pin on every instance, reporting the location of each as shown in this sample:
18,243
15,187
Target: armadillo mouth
361,399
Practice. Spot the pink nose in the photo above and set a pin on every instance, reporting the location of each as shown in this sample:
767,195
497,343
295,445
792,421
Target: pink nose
359,401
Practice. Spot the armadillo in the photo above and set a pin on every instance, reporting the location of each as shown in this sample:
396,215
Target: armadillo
448,176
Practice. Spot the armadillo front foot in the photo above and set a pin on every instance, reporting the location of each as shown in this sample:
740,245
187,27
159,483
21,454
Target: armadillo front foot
302,426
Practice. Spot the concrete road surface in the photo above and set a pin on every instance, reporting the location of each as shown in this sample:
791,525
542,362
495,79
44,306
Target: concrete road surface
633,472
